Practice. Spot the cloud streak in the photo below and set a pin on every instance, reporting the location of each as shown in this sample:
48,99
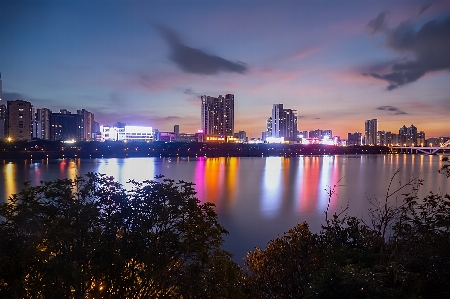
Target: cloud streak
192,60
391,110
378,24
430,46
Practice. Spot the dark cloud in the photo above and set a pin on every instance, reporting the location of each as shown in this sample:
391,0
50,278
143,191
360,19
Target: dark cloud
391,110
189,91
430,46
424,7
196,61
379,23
12,96
171,117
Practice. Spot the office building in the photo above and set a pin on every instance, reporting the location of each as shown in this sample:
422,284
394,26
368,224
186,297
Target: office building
66,126
218,115
284,123
18,120
370,132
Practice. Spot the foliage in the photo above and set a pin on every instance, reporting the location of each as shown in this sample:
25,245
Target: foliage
445,169
91,238
400,252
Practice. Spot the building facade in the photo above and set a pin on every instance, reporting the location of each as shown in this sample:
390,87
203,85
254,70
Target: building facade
284,123
2,121
370,132
87,124
218,115
66,126
354,138
19,120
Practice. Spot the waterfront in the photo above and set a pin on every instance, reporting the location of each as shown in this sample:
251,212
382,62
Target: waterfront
256,198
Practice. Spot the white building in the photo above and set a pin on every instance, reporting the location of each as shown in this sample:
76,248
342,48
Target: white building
128,133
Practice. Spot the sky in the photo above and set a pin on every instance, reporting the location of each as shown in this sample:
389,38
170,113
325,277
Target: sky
338,63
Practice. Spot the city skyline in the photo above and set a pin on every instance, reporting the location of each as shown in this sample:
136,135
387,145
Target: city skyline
147,63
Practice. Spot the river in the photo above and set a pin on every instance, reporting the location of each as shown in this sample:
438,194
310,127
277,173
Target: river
256,198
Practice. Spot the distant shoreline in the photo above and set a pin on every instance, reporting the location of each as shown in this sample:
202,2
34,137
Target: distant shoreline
38,149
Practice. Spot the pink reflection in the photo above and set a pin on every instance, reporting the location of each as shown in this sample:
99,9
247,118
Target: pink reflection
310,183
199,179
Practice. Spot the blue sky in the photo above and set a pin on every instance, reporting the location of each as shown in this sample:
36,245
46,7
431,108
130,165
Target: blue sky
337,63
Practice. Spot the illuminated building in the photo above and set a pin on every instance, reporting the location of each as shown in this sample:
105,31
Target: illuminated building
421,140
2,120
269,127
218,115
45,121
1,90
354,139
176,130
284,123
127,133
408,136
370,132
165,136
87,124
221,138
36,123
241,135
18,120
66,126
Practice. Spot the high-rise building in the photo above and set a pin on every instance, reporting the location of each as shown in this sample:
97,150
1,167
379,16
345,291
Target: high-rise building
1,90
412,136
18,120
421,140
45,120
66,126
284,122
218,115
2,120
36,123
370,132
354,139
269,127
87,124
408,135
176,130
327,134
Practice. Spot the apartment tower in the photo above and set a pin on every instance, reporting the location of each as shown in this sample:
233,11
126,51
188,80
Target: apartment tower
218,115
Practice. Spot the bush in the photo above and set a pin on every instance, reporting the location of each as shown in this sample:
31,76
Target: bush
91,238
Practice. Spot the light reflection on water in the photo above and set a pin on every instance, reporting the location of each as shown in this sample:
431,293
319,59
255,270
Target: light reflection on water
256,198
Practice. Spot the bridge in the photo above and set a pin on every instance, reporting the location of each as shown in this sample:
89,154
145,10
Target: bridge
445,147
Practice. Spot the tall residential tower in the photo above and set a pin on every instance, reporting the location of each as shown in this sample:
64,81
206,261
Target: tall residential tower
284,122
370,132
218,115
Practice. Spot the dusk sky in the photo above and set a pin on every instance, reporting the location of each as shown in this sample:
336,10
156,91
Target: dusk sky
338,63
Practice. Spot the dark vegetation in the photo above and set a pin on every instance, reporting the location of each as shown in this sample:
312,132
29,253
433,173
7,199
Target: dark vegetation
42,149
91,238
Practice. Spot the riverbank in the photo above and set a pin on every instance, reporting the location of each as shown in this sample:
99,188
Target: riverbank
39,149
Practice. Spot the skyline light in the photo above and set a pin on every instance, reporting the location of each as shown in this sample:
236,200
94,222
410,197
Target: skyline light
147,63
